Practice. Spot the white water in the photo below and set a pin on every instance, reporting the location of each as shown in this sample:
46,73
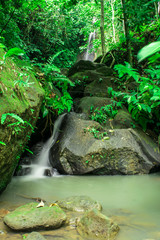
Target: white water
41,162
90,55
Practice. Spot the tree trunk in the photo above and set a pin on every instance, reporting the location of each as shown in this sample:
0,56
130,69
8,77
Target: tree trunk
102,29
159,9
113,26
127,34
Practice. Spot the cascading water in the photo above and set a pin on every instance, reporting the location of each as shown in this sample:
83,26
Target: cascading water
41,165
90,55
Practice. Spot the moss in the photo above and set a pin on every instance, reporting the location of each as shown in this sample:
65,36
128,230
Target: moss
18,98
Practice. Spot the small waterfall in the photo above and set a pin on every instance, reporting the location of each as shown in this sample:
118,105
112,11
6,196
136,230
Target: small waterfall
41,166
90,55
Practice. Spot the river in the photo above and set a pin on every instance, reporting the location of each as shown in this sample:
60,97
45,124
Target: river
132,201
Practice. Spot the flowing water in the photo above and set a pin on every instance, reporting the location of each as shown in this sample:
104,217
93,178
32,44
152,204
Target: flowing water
90,54
132,201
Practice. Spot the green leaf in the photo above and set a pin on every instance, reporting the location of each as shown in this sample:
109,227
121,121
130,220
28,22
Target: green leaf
148,50
2,46
14,51
2,143
3,118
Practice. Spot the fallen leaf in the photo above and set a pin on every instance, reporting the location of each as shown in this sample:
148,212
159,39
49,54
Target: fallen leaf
41,204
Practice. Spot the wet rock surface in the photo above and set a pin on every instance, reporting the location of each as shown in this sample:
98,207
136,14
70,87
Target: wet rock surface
35,236
96,225
79,204
122,151
29,217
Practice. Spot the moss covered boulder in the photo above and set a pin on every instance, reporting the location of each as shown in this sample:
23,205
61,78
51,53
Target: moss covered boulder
95,225
79,204
20,100
29,217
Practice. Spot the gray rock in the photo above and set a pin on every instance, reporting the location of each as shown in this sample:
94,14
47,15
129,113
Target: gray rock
86,103
122,151
29,217
79,204
95,225
83,65
106,71
99,88
35,236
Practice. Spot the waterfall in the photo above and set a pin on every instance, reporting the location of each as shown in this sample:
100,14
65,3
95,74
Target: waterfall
90,55
41,165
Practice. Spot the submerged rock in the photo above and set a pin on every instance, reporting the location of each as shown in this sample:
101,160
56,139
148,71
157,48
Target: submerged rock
95,225
79,204
85,148
35,236
29,217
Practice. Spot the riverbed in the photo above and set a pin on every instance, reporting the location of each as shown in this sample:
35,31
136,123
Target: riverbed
132,201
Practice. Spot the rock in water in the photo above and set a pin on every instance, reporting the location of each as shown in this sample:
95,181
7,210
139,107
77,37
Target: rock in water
82,150
35,236
29,217
79,204
95,225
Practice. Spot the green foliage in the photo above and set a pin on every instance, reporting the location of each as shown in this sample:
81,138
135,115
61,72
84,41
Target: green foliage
97,132
2,143
144,102
126,71
56,85
106,112
15,126
148,50
11,52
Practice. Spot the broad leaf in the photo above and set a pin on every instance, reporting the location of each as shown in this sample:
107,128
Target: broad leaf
148,50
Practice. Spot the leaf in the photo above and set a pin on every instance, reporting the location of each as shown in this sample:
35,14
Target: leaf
148,50
2,143
2,46
41,204
3,118
14,51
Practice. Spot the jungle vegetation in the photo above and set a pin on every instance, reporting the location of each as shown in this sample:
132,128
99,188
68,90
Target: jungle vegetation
52,33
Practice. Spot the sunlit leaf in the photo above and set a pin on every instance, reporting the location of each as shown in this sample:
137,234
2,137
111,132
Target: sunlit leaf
148,50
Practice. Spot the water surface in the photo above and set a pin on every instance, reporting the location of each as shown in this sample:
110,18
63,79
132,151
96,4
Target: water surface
132,201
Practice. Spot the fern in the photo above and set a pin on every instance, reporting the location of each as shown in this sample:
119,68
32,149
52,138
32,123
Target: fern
3,118
126,70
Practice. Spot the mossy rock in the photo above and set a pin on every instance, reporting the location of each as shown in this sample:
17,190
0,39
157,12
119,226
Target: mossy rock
22,95
99,88
95,225
86,103
79,204
83,65
35,236
29,217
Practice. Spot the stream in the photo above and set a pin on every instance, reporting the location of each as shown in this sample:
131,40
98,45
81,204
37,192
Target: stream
132,201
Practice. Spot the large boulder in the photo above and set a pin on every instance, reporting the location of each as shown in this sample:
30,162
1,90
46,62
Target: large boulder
29,217
83,65
20,96
85,147
95,225
99,88
87,104
79,204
